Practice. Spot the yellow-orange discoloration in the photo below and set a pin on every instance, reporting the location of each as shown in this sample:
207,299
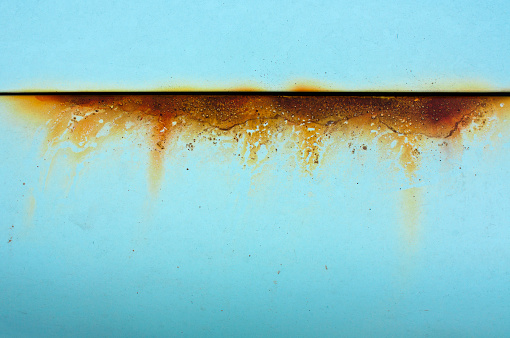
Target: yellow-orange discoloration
258,124
31,205
397,131
411,213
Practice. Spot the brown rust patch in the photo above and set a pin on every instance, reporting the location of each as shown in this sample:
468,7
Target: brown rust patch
434,116
258,124
402,133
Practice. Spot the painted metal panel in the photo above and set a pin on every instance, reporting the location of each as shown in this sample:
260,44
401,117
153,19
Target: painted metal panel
254,215
214,45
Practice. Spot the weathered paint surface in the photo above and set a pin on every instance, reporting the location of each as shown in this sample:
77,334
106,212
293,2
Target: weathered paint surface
270,214
255,122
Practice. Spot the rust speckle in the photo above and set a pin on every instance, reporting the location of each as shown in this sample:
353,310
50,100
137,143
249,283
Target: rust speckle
257,127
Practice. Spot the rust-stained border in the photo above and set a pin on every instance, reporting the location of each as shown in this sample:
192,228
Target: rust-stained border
306,92
403,130
78,116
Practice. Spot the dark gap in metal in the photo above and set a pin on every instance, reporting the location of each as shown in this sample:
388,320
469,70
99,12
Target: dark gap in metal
256,93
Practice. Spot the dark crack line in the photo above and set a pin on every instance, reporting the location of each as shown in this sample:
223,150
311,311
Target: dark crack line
455,127
450,133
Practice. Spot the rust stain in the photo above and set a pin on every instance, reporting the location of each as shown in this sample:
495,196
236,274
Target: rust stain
411,213
254,121
257,127
296,84
31,207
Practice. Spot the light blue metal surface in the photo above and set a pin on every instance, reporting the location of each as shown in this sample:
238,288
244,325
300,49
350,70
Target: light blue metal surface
343,45
225,249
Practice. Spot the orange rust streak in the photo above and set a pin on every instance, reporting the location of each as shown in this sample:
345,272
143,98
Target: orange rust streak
411,218
160,135
306,88
256,120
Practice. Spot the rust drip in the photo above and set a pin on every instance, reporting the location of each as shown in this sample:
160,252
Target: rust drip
258,126
304,131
